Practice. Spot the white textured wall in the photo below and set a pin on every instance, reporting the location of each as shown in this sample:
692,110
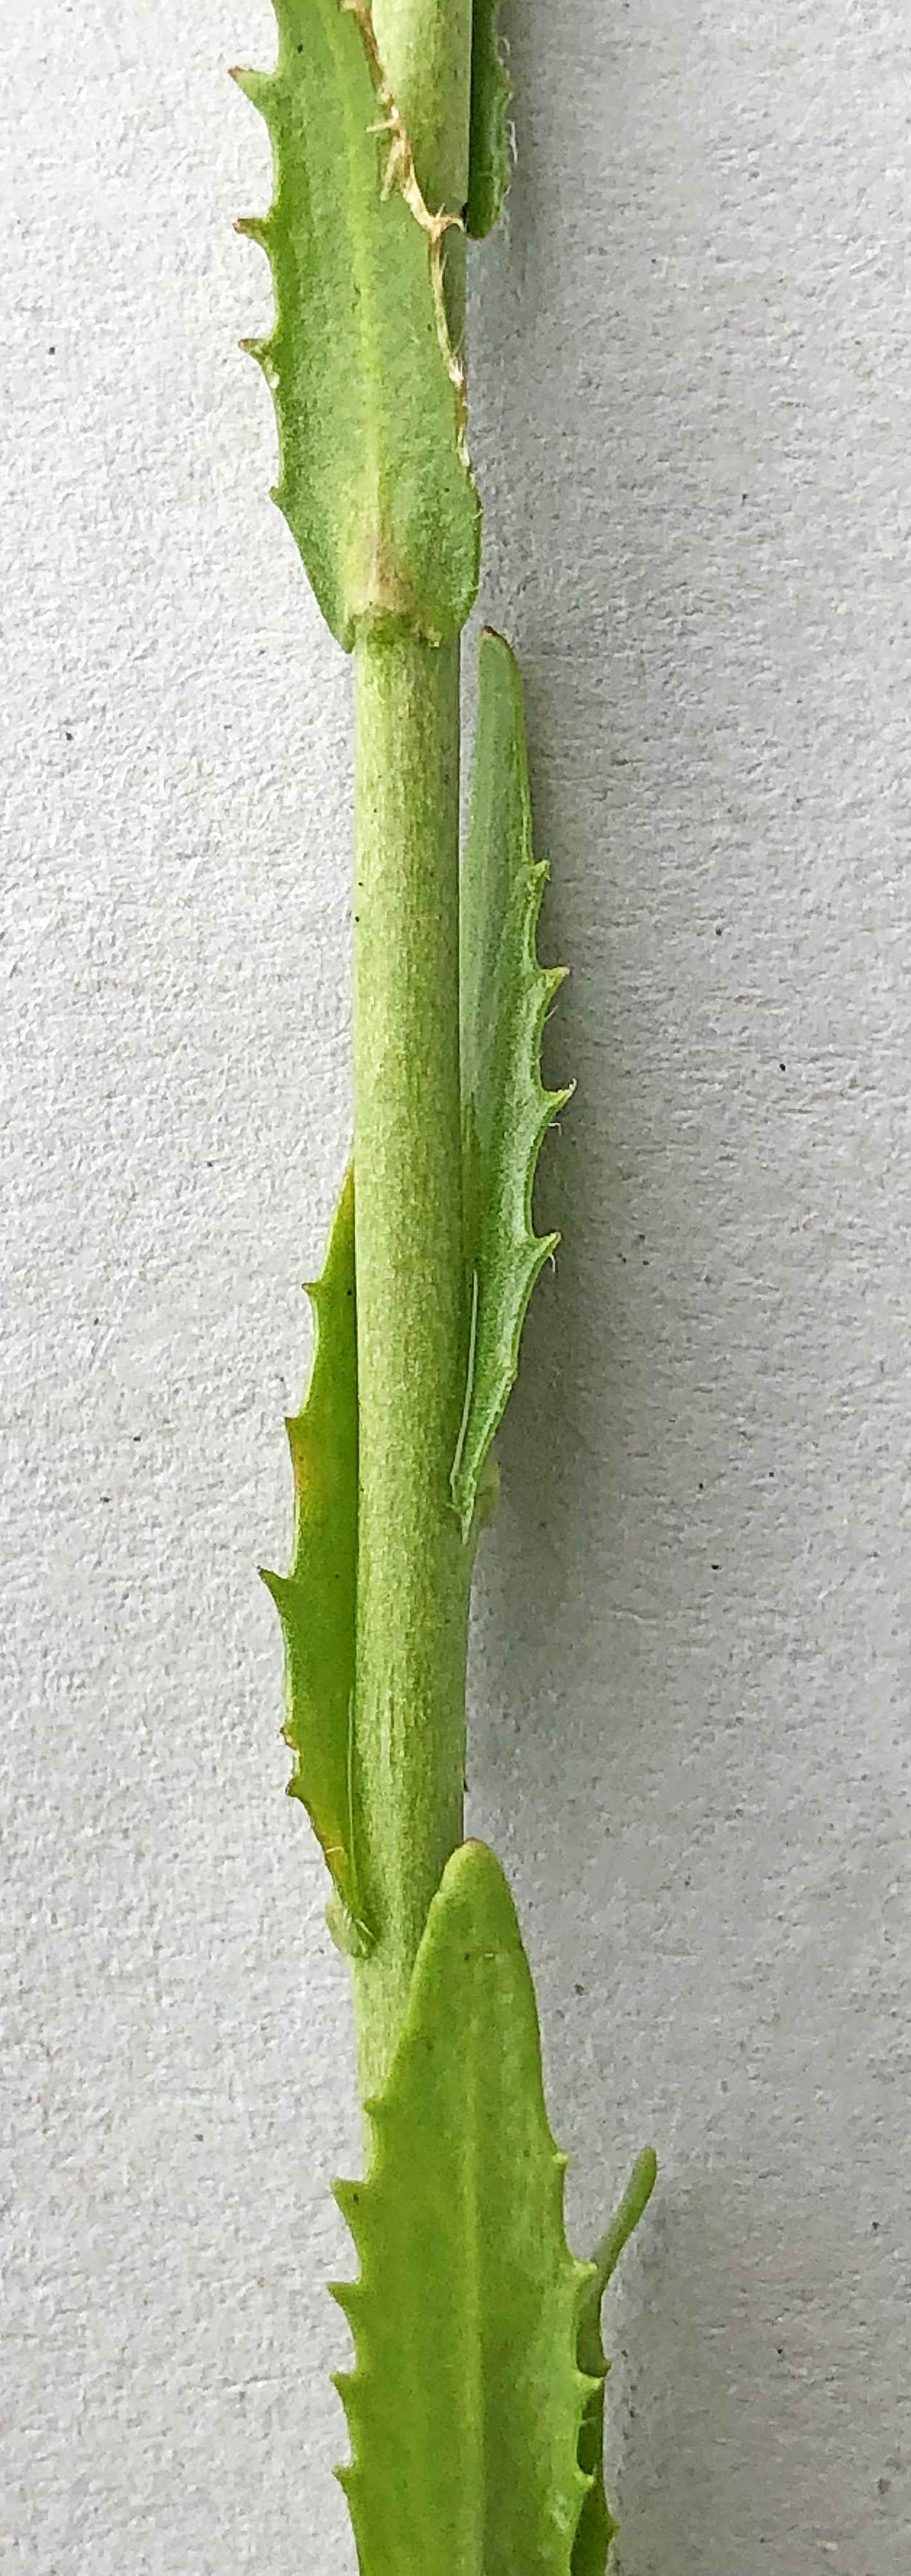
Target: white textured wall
692,404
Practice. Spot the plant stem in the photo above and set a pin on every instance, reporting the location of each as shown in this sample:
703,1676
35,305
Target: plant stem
425,49
412,1568
412,1589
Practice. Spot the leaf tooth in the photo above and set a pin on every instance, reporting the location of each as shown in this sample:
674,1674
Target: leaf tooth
350,2475
589,2381
538,879
300,1442
265,353
583,2481
349,2386
281,1588
543,1108
544,983
282,495
348,2296
348,2197
350,2479
255,228
258,87
379,2109
531,1127
540,1250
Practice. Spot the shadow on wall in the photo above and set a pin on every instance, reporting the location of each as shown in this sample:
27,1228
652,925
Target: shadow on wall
555,566
730,2399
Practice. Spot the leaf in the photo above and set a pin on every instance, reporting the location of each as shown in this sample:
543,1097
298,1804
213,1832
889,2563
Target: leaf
316,1598
369,398
465,2404
596,2523
506,1110
491,91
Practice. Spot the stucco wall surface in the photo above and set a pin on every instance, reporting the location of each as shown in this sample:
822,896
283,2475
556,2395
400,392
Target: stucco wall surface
691,384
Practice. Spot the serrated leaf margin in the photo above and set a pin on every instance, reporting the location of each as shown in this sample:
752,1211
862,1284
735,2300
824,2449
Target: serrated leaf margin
315,1600
385,601
414,2191
499,1170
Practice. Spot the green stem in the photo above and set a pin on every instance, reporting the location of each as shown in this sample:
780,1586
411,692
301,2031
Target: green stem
412,1583
425,49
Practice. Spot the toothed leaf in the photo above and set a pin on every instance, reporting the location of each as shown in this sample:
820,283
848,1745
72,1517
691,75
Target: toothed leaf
506,1110
315,1599
374,480
466,2400
596,2523
491,91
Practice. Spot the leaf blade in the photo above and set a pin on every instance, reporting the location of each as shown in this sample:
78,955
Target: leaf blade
316,1598
374,479
491,91
466,2400
596,2526
506,995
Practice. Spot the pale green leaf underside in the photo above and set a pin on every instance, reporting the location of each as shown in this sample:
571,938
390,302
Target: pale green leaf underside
374,481
491,91
505,995
316,1598
466,2401
596,2522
